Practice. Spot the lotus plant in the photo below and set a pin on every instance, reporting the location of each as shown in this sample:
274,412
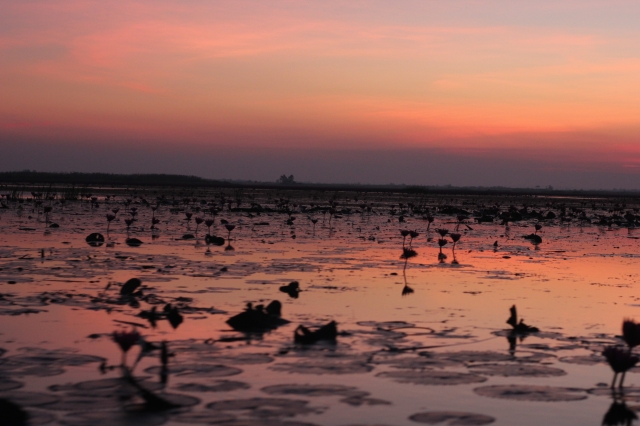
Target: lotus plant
128,222
229,228
110,218
126,340
620,359
209,223
430,220
199,221
47,210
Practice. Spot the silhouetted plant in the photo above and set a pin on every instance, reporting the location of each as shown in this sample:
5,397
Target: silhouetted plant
313,221
441,243
198,220
47,210
412,235
620,360
405,234
126,340
455,238
209,223
229,229
128,222
430,220
110,218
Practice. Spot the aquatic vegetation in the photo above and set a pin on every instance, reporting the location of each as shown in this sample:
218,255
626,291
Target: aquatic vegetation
292,289
110,218
258,319
199,220
519,326
126,340
305,336
445,340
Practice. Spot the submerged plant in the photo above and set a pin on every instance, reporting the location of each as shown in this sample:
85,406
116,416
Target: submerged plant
126,340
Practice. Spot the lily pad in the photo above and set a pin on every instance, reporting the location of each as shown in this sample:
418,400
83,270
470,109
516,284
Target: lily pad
204,417
249,358
451,418
432,377
119,417
583,359
312,390
218,386
471,356
40,418
265,407
521,370
8,384
532,393
197,370
30,399
323,367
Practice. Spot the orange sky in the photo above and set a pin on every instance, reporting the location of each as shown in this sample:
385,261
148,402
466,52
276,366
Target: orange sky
479,75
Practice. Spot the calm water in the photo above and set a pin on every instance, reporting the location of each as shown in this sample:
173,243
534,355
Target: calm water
436,355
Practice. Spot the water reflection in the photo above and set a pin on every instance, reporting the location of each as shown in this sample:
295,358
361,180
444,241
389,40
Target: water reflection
618,413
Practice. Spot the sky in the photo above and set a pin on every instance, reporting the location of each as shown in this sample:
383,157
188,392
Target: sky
467,93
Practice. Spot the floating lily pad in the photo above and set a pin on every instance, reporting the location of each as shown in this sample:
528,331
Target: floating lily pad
30,370
313,390
266,422
583,359
104,387
13,312
238,359
85,403
323,367
524,370
418,362
432,377
385,324
265,407
197,370
218,386
204,417
8,384
45,357
350,395
39,418
451,418
179,399
30,399
471,356
119,417
532,393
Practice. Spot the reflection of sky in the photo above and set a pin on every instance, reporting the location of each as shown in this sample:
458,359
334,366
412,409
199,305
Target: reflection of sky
551,80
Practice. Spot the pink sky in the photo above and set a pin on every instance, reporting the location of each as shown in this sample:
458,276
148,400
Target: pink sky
543,80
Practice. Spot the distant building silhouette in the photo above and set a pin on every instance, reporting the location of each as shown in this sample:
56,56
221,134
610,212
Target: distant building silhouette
286,180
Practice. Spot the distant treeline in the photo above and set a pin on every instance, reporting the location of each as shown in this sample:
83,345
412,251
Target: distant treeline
33,177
